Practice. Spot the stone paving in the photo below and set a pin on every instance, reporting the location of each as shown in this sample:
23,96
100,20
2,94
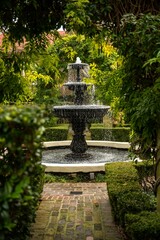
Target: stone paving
74,211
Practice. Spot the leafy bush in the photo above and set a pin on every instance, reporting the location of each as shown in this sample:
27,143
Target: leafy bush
21,174
138,42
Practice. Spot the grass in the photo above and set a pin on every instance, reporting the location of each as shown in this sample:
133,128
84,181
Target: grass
74,177
60,126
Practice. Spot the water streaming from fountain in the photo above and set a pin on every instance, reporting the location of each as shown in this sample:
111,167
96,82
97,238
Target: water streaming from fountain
58,155
79,114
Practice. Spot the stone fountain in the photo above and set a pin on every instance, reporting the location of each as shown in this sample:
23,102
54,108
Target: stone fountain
79,114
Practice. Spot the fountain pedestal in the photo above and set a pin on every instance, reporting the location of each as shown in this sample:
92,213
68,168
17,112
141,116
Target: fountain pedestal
79,116
78,144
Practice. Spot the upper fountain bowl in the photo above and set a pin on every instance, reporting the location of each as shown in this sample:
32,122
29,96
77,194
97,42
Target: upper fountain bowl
77,65
76,86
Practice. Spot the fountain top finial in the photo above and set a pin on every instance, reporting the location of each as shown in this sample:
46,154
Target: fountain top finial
78,60
77,65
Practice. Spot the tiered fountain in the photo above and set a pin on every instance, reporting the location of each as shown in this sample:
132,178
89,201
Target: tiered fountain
79,114
80,157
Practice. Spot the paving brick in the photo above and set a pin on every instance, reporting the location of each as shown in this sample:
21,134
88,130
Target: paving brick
83,215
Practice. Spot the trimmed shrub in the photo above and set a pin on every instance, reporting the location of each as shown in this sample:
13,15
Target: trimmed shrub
126,194
145,168
146,173
113,134
58,133
133,202
121,179
144,225
51,121
21,172
121,172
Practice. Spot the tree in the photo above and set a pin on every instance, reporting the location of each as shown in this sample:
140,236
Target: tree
100,16
30,19
13,85
138,41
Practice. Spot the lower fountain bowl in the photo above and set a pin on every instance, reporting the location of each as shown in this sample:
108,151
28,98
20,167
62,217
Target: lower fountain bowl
86,112
57,156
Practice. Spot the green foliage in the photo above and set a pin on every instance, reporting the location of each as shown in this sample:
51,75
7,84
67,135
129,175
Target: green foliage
50,178
28,74
107,75
30,19
50,66
46,91
145,225
60,132
145,168
128,199
43,74
44,70
21,173
101,17
51,121
139,43
76,14
122,173
146,173
13,86
74,177
101,56
68,48
133,202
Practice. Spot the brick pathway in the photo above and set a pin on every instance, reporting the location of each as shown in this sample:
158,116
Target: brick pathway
74,211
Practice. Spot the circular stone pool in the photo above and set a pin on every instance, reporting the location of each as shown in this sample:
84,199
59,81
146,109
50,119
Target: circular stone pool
96,155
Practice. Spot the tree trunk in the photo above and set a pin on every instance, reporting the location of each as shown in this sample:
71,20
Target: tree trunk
158,171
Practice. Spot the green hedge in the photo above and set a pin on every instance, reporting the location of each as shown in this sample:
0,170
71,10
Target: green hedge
146,172
113,134
129,201
21,172
144,225
51,121
58,133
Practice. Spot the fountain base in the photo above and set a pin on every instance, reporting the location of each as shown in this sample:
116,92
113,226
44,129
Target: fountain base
78,156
